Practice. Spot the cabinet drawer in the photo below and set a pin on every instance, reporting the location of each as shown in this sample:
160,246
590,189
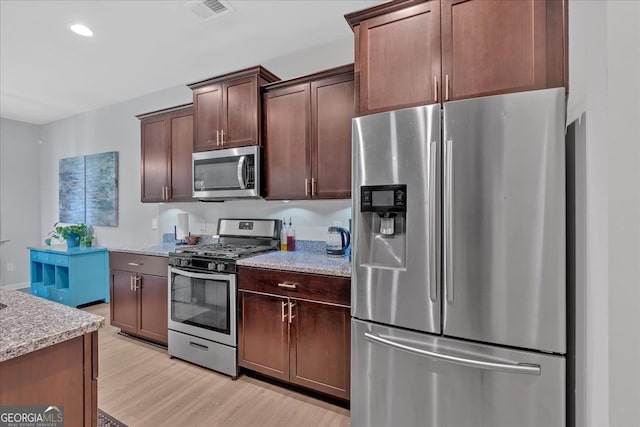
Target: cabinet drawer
62,260
61,297
39,256
329,289
143,264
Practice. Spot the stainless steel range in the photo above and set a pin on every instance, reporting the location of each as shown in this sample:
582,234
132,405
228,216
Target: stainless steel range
203,289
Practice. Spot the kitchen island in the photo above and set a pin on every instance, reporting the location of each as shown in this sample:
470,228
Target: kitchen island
49,356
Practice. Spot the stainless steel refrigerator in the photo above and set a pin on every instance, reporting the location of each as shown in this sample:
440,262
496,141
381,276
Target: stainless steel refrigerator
458,283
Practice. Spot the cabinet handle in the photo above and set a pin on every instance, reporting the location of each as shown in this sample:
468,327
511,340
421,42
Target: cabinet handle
131,283
222,137
306,187
435,89
314,187
137,283
217,138
288,285
135,264
284,304
446,87
291,316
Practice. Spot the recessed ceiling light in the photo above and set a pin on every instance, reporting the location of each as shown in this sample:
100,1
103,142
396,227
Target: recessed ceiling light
82,30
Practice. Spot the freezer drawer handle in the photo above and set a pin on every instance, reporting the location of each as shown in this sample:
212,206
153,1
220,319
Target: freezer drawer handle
529,369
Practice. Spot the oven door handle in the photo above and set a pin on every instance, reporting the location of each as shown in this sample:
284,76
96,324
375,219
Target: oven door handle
209,276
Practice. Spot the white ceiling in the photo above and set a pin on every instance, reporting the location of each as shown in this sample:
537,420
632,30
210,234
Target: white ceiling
139,47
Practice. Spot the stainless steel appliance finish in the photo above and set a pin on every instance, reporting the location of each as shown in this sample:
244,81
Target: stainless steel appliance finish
231,173
433,381
203,291
505,233
485,198
395,277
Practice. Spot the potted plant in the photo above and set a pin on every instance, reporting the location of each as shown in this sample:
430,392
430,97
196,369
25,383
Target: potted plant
74,234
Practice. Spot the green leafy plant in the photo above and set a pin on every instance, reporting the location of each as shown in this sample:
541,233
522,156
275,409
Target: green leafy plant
83,232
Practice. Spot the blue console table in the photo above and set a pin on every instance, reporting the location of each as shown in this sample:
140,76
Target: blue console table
72,276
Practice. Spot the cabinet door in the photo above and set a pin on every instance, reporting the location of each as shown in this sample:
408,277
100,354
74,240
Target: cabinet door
207,107
181,125
240,100
287,131
494,46
152,313
263,339
154,159
331,111
320,347
124,302
399,58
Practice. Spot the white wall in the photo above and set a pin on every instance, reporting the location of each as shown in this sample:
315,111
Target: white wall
623,43
19,198
604,58
588,94
115,128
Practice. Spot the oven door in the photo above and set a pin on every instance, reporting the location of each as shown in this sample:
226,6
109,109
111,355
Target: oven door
203,305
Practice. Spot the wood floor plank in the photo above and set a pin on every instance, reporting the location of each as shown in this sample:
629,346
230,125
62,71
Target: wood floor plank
141,386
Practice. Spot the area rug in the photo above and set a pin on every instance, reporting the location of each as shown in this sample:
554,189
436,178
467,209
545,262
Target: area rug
106,420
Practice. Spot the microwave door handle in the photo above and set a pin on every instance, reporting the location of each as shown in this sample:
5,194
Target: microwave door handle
241,172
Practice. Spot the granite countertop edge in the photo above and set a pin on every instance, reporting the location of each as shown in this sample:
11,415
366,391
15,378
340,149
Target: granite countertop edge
300,262
29,323
44,342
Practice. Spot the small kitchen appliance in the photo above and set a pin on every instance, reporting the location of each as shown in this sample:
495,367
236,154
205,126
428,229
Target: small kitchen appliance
338,240
202,292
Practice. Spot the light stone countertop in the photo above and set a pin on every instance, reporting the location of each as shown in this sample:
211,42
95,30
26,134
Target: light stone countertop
30,323
159,249
303,262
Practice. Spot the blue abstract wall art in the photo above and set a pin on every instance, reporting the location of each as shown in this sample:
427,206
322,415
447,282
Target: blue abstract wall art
88,189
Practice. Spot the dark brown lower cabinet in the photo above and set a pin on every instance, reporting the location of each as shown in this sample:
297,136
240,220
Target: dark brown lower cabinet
139,295
64,374
320,347
305,340
264,337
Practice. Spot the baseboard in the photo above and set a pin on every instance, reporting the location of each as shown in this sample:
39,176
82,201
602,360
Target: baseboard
16,285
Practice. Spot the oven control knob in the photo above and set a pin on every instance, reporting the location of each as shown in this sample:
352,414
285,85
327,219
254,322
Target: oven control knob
220,267
211,266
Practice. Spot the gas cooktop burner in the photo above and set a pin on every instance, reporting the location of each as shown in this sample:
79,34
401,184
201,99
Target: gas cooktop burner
221,250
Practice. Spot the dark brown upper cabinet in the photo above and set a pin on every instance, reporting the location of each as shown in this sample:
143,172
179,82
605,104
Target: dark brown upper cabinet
166,147
417,52
308,136
227,109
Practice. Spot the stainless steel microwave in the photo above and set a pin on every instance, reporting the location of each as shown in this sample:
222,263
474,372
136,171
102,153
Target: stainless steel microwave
231,173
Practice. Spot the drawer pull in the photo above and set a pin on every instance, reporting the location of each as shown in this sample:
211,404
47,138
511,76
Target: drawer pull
198,346
135,264
288,285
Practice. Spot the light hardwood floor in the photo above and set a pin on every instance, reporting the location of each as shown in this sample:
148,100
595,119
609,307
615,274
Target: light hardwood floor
141,386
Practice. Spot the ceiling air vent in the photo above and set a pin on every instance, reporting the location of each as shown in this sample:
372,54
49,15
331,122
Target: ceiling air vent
208,9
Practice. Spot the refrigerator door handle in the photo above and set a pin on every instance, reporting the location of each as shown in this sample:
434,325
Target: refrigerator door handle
448,214
433,289
516,368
